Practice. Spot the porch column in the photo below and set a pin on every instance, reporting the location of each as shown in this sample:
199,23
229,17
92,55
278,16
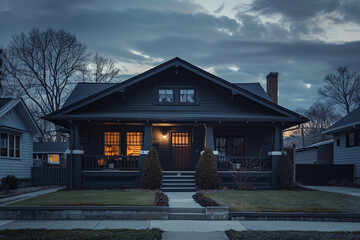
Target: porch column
276,155
209,137
146,147
74,156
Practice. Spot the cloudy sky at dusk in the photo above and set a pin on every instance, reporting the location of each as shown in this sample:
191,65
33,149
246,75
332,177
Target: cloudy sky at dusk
240,41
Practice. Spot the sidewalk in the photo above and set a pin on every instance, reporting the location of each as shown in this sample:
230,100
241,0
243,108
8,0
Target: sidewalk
20,197
182,225
344,190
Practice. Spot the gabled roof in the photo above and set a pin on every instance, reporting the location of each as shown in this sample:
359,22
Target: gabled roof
7,104
254,88
50,147
347,122
175,62
83,90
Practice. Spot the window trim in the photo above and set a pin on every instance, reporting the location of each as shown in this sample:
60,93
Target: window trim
195,95
165,88
356,139
15,145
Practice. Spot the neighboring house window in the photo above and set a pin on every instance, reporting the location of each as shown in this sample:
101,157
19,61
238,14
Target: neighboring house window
338,142
353,139
187,95
10,145
17,146
134,142
4,144
111,143
53,159
165,95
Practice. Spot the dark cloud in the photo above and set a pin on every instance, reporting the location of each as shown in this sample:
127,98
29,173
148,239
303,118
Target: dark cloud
240,50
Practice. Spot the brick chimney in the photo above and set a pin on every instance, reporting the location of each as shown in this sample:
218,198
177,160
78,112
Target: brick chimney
272,86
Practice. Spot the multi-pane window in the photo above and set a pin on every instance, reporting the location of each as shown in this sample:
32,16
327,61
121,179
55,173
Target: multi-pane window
187,95
353,139
220,146
229,146
4,144
53,158
238,146
10,145
111,143
180,139
17,146
134,141
165,95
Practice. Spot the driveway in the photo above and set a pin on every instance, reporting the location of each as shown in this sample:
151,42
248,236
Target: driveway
344,190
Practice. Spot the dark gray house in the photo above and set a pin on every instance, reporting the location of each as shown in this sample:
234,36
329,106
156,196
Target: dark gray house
346,133
179,109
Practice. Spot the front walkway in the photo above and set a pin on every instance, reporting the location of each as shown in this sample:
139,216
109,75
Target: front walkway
182,200
344,190
20,197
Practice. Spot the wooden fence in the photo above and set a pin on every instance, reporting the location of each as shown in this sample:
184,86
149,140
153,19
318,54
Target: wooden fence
323,174
41,176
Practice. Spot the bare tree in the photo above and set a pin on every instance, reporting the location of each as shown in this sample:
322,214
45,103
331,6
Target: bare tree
342,88
101,70
41,65
321,115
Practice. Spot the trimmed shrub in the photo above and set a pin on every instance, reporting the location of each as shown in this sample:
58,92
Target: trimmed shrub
10,182
152,172
206,175
286,172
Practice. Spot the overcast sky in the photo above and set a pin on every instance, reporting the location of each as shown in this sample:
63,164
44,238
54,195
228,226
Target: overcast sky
240,41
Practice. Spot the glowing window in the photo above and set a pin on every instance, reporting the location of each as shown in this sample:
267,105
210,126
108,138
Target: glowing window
111,143
180,139
134,142
53,158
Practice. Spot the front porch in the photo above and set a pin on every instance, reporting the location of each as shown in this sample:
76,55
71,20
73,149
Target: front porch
112,154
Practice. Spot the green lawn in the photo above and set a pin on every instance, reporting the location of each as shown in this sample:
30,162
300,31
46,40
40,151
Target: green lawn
291,235
286,201
93,197
120,234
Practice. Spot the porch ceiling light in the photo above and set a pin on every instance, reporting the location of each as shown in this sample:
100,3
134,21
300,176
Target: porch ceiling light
164,136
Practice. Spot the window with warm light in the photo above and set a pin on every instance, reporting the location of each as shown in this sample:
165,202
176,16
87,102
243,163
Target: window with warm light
112,143
180,139
134,141
53,159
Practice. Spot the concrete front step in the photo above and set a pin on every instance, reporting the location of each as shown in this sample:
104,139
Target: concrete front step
178,189
180,184
187,216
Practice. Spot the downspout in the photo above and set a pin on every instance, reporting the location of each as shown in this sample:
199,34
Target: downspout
71,154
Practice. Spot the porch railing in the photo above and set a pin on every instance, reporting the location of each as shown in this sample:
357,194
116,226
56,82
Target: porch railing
101,162
243,163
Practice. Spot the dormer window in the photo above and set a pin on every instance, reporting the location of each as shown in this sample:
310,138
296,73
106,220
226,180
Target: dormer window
165,95
187,95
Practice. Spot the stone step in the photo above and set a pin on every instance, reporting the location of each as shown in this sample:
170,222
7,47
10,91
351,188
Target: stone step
176,176
178,181
187,216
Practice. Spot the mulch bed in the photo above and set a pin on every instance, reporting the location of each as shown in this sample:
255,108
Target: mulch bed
200,198
161,199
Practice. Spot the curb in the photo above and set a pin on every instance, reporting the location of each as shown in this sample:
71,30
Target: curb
295,216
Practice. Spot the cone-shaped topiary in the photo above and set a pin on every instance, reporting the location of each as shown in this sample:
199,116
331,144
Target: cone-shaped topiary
152,172
206,175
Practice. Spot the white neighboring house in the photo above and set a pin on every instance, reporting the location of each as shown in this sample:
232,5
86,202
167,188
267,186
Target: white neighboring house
17,130
346,133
